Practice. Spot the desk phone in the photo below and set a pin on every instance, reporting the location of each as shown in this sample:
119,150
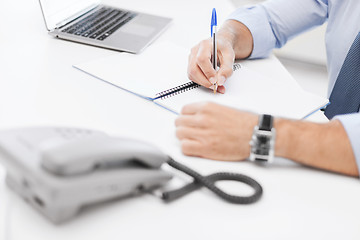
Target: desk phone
60,170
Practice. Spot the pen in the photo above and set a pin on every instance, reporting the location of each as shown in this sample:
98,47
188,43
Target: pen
213,36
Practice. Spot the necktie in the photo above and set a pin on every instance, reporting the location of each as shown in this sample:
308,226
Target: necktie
345,96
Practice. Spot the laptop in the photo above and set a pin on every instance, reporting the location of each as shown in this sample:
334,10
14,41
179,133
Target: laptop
89,22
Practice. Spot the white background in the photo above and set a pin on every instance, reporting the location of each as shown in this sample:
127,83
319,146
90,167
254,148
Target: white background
38,86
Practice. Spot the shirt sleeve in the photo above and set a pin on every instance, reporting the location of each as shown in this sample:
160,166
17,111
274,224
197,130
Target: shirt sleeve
274,22
351,123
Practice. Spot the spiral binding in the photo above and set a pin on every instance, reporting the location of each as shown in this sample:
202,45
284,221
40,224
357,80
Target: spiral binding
185,87
236,66
177,90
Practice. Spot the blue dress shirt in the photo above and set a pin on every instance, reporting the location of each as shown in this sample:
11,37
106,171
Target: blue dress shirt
274,22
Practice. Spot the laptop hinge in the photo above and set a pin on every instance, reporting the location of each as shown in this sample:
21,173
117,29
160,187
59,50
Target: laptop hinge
76,16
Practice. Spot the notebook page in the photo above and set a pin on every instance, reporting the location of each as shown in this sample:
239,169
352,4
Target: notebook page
140,74
247,90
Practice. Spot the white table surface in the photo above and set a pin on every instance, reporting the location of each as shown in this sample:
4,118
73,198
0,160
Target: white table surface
38,86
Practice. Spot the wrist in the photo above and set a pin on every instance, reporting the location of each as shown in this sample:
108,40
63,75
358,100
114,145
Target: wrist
292,135
284,136
239,37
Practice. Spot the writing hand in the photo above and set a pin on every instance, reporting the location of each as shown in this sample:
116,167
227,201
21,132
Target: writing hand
200,69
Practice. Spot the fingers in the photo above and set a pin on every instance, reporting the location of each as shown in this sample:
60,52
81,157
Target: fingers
198,107
200,69
192,148
221,89
188,133
190,139
186,120
204,60
191,109
214,131
198,121
195,74
226,58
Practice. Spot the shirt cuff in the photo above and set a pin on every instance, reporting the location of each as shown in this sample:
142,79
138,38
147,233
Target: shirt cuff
256,20
351,123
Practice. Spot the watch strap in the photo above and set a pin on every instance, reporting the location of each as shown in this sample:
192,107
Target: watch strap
266,122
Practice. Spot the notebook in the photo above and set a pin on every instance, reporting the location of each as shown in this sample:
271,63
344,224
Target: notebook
165,83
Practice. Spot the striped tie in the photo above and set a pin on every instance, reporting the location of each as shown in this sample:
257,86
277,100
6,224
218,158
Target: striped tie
345,96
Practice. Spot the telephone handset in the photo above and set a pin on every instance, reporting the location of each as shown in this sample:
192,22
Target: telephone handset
99,152
60,170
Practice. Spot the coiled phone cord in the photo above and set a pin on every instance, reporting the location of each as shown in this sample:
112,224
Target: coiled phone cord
209,183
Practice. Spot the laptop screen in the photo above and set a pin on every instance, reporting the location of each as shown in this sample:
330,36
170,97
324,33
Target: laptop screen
58,11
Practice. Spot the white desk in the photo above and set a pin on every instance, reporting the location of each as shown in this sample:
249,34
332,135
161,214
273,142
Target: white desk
38,86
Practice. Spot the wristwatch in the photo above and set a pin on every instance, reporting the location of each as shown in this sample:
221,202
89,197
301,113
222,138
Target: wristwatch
263,140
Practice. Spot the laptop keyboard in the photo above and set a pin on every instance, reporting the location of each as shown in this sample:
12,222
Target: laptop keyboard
100,24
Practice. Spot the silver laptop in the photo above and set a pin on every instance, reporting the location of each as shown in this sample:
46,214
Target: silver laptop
89,22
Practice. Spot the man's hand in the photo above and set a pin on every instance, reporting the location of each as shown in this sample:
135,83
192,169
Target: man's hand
234,40
200,69
214,131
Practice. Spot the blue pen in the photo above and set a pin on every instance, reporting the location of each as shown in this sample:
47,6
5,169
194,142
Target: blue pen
213,36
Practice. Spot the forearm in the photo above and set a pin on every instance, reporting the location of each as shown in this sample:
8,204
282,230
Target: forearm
239,37
324,146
